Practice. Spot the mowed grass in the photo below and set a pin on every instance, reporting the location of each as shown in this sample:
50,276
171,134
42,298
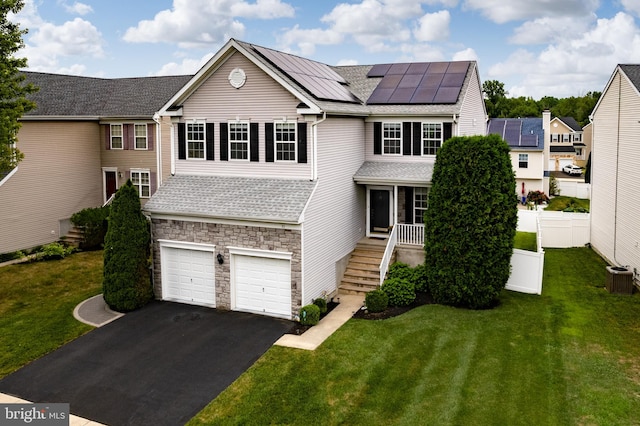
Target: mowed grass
37,302
525,241
568,357
561,202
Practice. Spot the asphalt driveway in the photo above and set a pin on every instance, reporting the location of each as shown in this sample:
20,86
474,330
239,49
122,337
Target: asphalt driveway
159,365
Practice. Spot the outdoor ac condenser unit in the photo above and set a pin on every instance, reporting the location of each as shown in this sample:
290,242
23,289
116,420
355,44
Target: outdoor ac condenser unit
619,280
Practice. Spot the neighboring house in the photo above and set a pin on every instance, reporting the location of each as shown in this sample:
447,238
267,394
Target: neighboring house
583,149
281,165
615,230
525,137
85,137
566,142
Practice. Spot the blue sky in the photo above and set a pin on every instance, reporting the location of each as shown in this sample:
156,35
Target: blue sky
536,47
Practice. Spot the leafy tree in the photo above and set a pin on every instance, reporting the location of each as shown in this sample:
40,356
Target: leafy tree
13,91
126,283
494,95
471,221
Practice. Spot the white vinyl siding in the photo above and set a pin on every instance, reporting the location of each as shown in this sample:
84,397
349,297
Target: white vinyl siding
472,117
335,218
261,100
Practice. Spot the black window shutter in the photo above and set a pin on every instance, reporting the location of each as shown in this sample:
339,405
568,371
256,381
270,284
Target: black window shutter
224,142
377,138
447,131
302,142
182,141
268,142
408,204
417,138
209,135
253,141
406,138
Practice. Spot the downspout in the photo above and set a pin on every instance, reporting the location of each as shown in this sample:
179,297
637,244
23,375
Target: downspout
156,119
173,150
314,132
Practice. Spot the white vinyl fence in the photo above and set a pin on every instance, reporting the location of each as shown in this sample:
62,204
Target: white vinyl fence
574,188
558,229
527,266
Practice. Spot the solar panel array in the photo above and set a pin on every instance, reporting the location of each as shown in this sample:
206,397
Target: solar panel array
511,131
418,83
315,77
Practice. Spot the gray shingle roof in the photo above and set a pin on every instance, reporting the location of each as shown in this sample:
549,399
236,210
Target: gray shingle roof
572,123
395,172
271,200
75,96
633,72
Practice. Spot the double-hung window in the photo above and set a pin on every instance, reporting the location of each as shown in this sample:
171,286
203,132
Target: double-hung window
555,137
140,131
117,142
523,161
391,138
195,140
285,140
141,179
566,137
577,137
239,141
420,204
431,138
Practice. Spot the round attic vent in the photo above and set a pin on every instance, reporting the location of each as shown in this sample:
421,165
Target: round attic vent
237,78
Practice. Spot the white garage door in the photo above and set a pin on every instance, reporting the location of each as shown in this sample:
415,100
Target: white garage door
262,285
188,276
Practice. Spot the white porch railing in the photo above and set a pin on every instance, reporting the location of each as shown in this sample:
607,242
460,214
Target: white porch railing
388,252
410,234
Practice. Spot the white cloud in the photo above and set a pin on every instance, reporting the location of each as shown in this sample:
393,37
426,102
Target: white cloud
78,8
574,66
192,23
501,11
465,55
307,40
28,16
418,52
545,30
632,6
433,26
347,62
187,66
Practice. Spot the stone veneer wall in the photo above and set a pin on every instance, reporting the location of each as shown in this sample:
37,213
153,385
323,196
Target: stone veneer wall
223,236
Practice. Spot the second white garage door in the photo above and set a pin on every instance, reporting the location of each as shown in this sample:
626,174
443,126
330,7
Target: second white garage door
262,285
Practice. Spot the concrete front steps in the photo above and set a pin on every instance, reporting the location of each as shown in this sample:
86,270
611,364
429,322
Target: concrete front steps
74,237
362,273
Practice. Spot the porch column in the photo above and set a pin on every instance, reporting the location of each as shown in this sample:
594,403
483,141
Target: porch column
395,205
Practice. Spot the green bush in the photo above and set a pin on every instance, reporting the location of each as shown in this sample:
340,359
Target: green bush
376,301
321,303
420,278
93,221
400,270
53,251
309,314
471,221
401,292
127,285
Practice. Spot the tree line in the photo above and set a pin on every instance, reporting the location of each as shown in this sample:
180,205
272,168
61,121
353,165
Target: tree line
500,106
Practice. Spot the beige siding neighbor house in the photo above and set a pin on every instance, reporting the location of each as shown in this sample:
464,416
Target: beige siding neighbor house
85,138
615,230
281,166
566,140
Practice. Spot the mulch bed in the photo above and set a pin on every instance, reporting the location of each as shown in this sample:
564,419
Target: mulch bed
391,311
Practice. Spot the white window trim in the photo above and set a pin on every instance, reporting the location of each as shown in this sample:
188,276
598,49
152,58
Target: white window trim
415,208
139,185
248,142
566,137
383,138
204,139
422,139
111,126
295,141
146,137
243,251
520,161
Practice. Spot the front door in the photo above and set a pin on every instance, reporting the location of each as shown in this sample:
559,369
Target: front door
110,184
379,210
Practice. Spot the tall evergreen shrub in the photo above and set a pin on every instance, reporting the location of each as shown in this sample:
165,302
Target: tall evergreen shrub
126,284
471,221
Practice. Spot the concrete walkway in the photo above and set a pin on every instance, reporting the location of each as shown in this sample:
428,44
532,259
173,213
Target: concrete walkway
73,420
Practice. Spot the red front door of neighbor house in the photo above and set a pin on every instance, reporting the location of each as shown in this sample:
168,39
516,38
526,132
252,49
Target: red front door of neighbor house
110,184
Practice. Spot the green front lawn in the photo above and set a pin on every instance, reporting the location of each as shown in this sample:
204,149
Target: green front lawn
37,302
525,241
560,203
570,356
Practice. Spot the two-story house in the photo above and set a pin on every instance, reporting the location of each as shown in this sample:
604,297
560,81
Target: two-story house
567,144
85,137
281,165
526,138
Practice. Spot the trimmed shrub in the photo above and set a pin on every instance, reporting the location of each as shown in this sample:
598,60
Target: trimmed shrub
93,221
420,278
471,221
401,292
400,270
321,303
53,251
127,285
376,301
309,314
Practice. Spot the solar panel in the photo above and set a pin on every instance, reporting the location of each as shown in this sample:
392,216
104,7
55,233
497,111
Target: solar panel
419,68
398,69
410,80
446,95
512,131
453,79
424,95
402,95
315,77
496,126
379,70
529,140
